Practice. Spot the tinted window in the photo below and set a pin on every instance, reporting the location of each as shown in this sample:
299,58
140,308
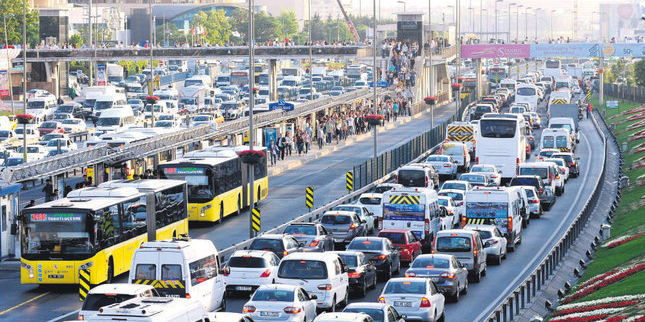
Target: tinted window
170,272
542,172
364,245
472,178
454,185
301,230
203,269
336,219
453,244
523,182
431,262
411,178
349,260
307,269
372,200
497,128
561,141
146,272
526,91
396,238
376,314
95,301
267,244
405,288
453,195
485,234
273,295
247,262
529,193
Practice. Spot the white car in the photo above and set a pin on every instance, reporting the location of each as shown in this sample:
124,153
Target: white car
64,144
229,317
34,152
74,125
457,185
444,164
32,132
457,195
418,298
246,270
107,294
48,137
40,93
494,175
343,317
167,124
562,165
378,311
494,241
373,202
454,212
281,302
362,213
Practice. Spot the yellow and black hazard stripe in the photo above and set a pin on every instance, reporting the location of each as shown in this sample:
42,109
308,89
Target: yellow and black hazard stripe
309,197
479,221
256,219
460,133
162,283
558,101
349,181
405,200
84,284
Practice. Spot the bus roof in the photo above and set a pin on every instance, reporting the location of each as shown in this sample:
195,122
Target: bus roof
84,203
143,185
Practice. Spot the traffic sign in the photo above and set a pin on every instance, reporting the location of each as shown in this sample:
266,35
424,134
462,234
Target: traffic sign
255,219
309,197
84,285
349,181
282,105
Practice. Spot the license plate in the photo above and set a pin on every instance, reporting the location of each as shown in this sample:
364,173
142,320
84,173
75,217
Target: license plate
339,240
435,279
55,276
243,288
269,314
402,303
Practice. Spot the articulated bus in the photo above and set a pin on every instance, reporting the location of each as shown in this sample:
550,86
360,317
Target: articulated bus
98,229
214,178
501,141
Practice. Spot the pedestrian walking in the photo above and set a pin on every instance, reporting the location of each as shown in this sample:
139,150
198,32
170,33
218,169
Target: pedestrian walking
288,141
588,109
48,190
273,151
281,146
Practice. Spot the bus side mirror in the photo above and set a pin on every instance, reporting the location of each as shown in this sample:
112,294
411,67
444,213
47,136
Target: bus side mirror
14,229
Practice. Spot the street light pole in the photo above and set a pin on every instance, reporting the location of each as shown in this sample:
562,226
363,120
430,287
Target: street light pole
311,62
152,70
481,18
250,167
552,11
403,2
432,80
536,24
6,46
526,23
90,38
508,35
517,22
458,44
24,77
496,24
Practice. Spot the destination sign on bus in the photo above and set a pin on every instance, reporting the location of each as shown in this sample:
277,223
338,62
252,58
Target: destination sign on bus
57,217
238,74
184,171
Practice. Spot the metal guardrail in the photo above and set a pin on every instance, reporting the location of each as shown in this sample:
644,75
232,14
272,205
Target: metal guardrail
52,166
521,296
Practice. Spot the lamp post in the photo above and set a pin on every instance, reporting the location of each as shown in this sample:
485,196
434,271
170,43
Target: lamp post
90,36
250,169
517,22
487,32
152,70
6,43
496,25
508,35
403,2
311,62
432,80
526,23
374,68
458,44
481,13
24,77
573,25
552,11
536,24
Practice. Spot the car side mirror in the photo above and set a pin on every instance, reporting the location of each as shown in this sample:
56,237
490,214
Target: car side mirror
363,221
500,171
404,316
313,297
245,247
487,244
370,214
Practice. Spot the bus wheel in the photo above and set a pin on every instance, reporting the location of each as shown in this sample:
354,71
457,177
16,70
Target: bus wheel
239,206
110,271
221,214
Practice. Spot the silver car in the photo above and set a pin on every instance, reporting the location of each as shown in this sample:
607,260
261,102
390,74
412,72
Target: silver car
418,298
494,242
448,274
311,236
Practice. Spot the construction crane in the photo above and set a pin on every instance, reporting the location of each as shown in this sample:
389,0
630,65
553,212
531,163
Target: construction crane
349,23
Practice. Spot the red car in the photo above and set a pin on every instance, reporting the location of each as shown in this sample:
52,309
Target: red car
51,127
409,245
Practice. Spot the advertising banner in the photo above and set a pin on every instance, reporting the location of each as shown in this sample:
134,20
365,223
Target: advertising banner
565,50
636,50
4,83
496,51
101,79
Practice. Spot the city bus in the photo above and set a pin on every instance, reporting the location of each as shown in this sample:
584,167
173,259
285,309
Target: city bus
501,141
214,179
552,67
98,229
239,77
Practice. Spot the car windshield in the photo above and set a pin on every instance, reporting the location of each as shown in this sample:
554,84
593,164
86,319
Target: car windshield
365,245
395,238
246,261
273,295
166,117
36,105
301,230
134,102
454,185
561,126
565,157
431,262
405,287
523,182
303,269
95,301
108,121
14,161
453,244
354,209
188,100
376,314
453,195
55,143
482,169
349,260
411,178
70,121
336,219
541,172
546,154
529,193
267,244
65,109
372,200
103,105
437,158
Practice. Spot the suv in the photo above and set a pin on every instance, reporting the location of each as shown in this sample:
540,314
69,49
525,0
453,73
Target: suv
311,236
280,244
418,175
466,246
547,198
343,225
571,161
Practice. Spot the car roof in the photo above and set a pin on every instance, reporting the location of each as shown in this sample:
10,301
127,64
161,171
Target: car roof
451,191
286,287
484,165
367,305
339,212
310,256
454,231
435,255
120,288
303,223
342,316
272,236
369,238
252,253
408,279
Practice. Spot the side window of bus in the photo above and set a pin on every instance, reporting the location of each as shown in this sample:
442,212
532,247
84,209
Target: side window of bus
202,270
109,225
134,217
160,209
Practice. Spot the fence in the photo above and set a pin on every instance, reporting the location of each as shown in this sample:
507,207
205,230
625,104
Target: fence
172,78
634,93
521,296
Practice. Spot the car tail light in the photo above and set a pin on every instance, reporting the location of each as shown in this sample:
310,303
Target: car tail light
266,273
571,164
188,295
434,244
248,309
380,223
352,227
448,275
380,257
493,176
226,272
474,246
447,165
411,274
463,222
427,181
354,275
557,177
285,253
425,302
81,318
510,224
292,310
324,287
427,226
405,250
381,299
314,243
535,201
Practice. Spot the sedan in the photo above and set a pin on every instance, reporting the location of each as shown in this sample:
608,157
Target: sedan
51,127
476,179
418,298
457,185
74,125
444,164
281,302
448,274
344,225
281,245
311,236
246,270
546,153
494,175
362,213
380,312
404,239
380,252
454,212
494,242
362,273
572,162
456,195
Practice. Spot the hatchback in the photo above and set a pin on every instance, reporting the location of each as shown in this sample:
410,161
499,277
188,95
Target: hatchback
281,245
281,303
381,252
343,225
248,269
449,275
404,239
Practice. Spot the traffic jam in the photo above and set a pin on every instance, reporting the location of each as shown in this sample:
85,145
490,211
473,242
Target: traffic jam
420,239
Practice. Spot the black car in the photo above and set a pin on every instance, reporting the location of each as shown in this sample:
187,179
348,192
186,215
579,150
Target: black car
381,252
76,109
343,225
362,273
572,162
547,199
312,237
280,245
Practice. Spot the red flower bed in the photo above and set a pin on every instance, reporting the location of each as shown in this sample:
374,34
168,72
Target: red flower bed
582,319
24,116
620,242
604,283
374,117
615,319
457,86
596,279
252,153
595,307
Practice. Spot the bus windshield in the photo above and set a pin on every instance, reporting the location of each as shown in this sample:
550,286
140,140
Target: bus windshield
50,234
526,91
199,185
492,128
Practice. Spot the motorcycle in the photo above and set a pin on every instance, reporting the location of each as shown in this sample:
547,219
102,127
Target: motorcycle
580,116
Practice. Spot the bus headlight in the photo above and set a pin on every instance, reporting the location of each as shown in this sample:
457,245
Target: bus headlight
204,208
86,265
27,267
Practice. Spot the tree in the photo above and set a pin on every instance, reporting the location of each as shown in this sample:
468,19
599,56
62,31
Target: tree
76,40
99,33
639,73
174,35
266,28
217,25
288,24
13,11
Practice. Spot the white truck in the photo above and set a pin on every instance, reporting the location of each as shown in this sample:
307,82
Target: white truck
114,74
192,98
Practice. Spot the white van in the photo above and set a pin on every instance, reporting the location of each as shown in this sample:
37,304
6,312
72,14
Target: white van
558,138
160,108
201,80
42,108
416,209
105,102
320,274
565,123
181,267
168,94
115,120
459,152
153,309
223,80
499,206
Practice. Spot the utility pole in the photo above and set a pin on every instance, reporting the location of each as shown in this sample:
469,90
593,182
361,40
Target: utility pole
311,62
152,70
432,80
481,13
6,46
24,77
517,22
251,167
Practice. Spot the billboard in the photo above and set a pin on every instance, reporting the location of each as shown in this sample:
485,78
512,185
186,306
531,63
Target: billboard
496,51
4,83
565,50
581,50
101,79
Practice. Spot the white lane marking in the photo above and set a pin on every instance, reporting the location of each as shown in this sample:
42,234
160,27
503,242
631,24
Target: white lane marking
487,311
62,317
